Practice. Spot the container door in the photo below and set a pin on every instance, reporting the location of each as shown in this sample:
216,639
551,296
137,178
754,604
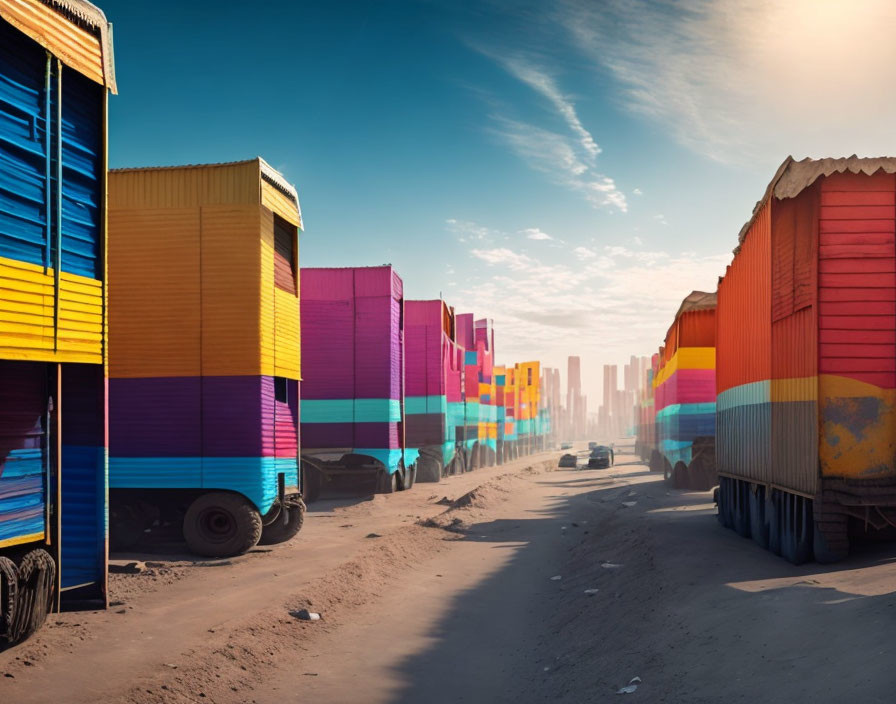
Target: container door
24,452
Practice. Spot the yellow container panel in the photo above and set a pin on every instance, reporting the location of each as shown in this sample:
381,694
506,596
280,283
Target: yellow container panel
154,321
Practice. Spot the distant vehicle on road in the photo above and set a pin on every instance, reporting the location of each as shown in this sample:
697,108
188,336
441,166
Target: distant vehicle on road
592,445
566,446
568,461
601,457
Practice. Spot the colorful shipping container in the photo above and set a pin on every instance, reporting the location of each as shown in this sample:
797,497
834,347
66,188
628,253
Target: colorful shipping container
684,395
353,406
204,354
807,360
56,69
433,388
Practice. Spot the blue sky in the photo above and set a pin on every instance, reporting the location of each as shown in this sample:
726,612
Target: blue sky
571,169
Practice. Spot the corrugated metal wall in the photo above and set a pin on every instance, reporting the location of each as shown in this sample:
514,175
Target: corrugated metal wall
743,354
857,325
201,335
353,362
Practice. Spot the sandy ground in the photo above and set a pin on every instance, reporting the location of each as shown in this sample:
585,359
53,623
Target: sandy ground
445,594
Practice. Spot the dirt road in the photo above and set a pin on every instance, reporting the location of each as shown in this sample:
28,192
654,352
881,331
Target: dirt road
445,594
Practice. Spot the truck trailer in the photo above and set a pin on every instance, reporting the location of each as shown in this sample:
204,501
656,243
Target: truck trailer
353,405
806,377
204,355
684,396
432,397
56,70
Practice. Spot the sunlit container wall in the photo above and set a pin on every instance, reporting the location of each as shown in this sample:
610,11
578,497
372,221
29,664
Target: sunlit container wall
204,318
807,328
743,341
647,421
353,364
56,67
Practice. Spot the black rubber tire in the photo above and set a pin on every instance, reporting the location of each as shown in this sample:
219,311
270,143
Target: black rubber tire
9,587
221,524
667,472
830,538
126,526
312,480
742,508
286,525
388,483
428,469
410,476
774,518
803,530
37,587
680,476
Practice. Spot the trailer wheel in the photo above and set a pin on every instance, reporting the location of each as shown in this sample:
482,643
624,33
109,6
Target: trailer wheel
758,521
410,476
37,585
220,524
312,480
388,482
126,526
830,539
9,586
286,525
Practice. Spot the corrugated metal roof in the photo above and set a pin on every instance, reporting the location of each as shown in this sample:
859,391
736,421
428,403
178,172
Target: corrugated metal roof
268,173
93,18
793,177
697,300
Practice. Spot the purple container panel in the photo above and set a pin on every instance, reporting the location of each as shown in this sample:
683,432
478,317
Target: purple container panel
83,393
463,324
327,349
326,285
422,313
376,281
416,361
238,416
158,417
377,349
349,435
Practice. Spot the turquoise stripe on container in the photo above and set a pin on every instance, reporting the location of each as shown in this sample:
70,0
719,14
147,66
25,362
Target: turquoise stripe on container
686,409
359,410
254,477
414,405
745,395
470,358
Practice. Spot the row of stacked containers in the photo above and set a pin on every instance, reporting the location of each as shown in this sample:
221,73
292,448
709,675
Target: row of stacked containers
397,391
164,398
799,414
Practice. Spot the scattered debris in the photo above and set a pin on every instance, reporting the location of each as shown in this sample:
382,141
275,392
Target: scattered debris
610,565
575,525
305,615
347,525
629,504
171,665
310,674
373,535
630,687
129,568
444,501
591,592
556,578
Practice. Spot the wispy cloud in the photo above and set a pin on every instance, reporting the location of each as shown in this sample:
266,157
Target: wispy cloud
583,253
538,79
469,231
553,155
533,233
610,304
502,255
638,192
721,74
568,159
